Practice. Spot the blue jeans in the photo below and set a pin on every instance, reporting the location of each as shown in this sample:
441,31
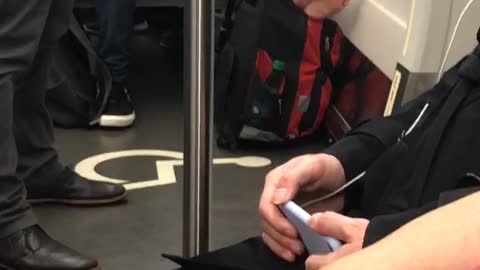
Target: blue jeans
115,21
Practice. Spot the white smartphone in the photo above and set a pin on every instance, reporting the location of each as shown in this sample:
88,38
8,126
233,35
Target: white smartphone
315,244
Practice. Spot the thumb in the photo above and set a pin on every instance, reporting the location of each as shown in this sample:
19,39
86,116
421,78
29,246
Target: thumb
293,176
331,224
289,182
285,191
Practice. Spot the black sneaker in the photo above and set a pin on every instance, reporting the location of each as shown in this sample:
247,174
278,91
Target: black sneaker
119,110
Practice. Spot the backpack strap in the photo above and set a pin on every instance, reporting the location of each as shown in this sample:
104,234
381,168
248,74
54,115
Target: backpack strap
358,77
97,68
327,41
228,22
226,27
347,51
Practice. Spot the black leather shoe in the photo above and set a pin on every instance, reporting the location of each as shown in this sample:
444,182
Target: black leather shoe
33,249
76,190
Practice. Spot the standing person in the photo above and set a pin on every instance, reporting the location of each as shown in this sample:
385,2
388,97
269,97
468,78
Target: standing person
29,165
115,20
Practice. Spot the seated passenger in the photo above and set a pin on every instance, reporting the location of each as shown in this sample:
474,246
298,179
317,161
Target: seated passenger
420,158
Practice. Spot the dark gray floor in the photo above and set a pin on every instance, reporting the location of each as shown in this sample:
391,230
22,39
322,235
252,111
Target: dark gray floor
134,235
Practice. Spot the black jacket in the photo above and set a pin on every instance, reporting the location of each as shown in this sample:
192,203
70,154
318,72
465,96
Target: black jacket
410,171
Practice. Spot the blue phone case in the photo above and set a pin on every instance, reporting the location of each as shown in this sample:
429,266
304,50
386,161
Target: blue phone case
315,244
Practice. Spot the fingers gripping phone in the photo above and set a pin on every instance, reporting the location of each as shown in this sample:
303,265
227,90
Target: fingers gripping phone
315,243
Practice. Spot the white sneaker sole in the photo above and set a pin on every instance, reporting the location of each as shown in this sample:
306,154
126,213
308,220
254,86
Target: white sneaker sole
117,120
141,27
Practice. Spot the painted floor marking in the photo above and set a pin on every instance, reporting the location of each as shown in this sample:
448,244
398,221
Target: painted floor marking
165,168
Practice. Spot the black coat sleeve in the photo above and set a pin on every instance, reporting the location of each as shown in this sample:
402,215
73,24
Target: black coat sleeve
369,140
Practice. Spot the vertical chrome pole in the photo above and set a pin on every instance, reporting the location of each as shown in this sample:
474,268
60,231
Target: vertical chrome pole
199,26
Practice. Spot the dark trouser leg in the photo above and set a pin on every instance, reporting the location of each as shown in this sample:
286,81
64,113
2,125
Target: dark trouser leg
38,163
115,21
22,25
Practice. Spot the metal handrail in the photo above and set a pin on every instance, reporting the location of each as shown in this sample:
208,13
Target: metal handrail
199,41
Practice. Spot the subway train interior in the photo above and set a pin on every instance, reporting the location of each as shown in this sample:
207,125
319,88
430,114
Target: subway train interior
222,94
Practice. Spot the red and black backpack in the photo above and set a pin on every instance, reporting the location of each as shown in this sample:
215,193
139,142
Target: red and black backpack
253,35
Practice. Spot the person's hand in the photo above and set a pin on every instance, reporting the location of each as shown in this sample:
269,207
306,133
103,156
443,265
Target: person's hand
351,231
321,9
306,173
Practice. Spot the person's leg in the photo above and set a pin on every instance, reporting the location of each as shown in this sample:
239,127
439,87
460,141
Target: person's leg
46,179
34,133
19,39
23,244
115,20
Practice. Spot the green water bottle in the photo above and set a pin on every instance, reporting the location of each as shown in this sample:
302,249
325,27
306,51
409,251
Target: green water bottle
266,109
274,82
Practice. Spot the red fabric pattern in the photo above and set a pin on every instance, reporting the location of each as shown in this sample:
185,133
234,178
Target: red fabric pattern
308,71
264,65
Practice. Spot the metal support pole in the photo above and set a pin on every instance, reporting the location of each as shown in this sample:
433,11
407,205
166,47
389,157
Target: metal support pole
199,25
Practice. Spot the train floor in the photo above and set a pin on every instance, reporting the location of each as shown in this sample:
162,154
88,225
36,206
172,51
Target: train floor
134,234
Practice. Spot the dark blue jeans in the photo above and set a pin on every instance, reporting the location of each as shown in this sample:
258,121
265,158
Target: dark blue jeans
115,21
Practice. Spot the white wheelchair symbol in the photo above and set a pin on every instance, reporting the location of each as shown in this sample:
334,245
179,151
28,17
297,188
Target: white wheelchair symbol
165,168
